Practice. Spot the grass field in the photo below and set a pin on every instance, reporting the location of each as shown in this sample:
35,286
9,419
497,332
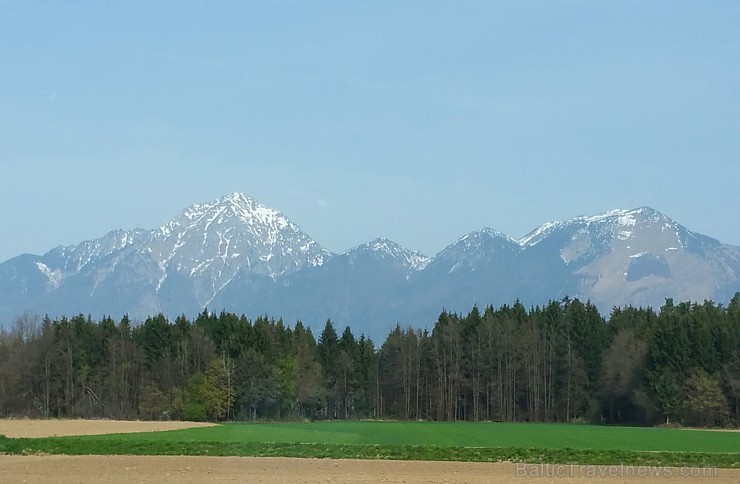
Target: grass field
552,443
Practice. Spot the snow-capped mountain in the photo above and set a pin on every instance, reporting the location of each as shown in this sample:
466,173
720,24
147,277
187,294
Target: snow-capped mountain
603,228
231,233
236,254
210,243
74,258
483,249
180,266
360,287
390,251
638,257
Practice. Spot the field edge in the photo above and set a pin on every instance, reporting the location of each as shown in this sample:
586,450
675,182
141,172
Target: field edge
84,446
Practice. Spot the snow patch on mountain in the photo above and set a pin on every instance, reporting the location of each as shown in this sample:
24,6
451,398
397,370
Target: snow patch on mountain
55,276
76,257
535,236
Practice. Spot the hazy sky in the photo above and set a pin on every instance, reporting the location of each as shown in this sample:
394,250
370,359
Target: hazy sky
418,121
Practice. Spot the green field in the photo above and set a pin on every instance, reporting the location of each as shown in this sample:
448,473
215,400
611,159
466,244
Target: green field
416,440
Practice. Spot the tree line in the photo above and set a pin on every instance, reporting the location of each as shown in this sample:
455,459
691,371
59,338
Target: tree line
561,362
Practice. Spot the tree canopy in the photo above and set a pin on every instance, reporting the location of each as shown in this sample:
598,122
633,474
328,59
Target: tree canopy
557,363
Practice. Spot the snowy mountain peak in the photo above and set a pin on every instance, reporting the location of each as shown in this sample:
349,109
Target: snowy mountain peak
236,232
622,216
237,205
480,247
494,234
383,244
618,220
386,248
483,237
238,198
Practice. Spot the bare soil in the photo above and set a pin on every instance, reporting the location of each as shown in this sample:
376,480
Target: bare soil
57,428
178,469
175,469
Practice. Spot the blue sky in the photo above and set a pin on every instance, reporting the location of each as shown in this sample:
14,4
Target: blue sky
417,121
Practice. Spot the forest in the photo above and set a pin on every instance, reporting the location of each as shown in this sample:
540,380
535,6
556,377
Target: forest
562,362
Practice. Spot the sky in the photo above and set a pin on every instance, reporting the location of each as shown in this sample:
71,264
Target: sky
416,121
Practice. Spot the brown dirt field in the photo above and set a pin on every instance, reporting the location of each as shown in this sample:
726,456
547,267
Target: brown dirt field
50,428
173,469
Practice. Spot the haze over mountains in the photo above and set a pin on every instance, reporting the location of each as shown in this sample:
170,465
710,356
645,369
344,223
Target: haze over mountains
238,255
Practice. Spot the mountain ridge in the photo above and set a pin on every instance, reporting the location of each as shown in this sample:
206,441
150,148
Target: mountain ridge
238,254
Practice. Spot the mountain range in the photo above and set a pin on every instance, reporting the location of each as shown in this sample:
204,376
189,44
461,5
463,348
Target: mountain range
238,255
